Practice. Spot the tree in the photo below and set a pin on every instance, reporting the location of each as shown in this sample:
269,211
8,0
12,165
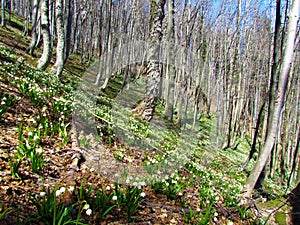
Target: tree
60,48
33,42
47,50
68,26
3,13
280,98
170,81
146,108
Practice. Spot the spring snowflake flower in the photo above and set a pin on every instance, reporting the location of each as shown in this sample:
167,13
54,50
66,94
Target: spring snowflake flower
143,183
62,189
86,206
71,188
88,212
143,194
57,193
39,150
217,198
114,198
216,214
35,138
30,133
42,194
108,188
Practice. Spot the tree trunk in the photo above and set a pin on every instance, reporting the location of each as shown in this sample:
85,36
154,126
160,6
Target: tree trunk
146,108
68,26
283,81
34,27
60,48
170,81
3,13
47,50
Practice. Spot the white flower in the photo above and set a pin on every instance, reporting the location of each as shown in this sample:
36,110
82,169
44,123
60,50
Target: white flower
114,198
42,194
230,223
217,198
3,103
30,133
180,194
35,138
88,212
143,183
143,194
92,169
215,219
71,188
216,214
108,188
86,206
39,150
174,182
57,193
62,189
134,183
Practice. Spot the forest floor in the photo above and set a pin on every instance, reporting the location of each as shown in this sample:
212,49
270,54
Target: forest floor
47,179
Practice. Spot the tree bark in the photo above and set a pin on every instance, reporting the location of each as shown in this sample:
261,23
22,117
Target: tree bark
60,48
170,81
283,81
33,42
68,26
47,50
3,13
146,108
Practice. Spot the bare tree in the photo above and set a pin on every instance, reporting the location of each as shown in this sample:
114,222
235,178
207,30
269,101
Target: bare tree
170,77
146,108
280,98
60,48
47,50
35,27
3,13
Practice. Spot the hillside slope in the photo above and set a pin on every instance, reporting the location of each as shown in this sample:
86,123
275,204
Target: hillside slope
45,179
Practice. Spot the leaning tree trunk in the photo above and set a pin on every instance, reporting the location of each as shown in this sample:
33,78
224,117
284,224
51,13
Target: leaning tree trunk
60,48
146,108
283,81
47,50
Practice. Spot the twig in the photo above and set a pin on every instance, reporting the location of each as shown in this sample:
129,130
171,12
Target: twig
275,210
